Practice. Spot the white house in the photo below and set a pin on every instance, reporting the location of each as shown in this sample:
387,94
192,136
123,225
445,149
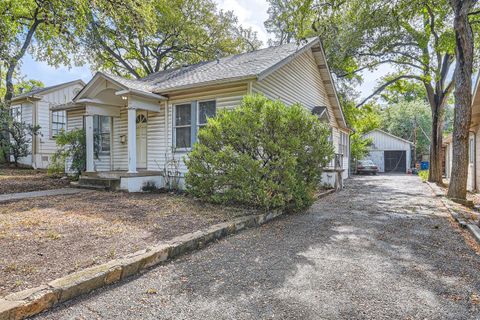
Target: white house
138,131
390,153
35,108
473,178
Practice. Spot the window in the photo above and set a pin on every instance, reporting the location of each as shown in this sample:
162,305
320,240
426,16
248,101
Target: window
471,150
101,134
58,122
185,127
16,113
206,109
343,143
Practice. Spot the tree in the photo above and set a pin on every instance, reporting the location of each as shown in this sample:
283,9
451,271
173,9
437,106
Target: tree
137,39
463,96
261,154
413,36
45,28
410,120
20,137
362,120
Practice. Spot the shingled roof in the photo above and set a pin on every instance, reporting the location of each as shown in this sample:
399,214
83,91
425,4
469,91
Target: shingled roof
39,91
231,68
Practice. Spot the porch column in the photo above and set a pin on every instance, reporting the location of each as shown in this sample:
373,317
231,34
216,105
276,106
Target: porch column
89,142
132,140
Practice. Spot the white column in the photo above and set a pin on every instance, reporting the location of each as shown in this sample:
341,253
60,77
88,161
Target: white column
89,142
132,140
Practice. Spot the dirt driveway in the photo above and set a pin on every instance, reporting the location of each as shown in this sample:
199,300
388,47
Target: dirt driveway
383,248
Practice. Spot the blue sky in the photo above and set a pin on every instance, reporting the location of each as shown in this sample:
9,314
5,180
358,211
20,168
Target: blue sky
250,13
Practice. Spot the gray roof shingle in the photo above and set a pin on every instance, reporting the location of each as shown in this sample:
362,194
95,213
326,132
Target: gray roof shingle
233,67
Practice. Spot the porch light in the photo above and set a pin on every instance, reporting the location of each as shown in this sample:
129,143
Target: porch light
124,97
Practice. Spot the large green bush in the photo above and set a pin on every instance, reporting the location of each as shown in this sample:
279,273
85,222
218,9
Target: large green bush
261,154
71,145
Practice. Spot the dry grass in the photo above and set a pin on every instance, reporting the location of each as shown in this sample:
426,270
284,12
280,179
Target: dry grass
14,180
45,238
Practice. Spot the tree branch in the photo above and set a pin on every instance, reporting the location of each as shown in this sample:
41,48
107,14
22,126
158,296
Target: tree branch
385,85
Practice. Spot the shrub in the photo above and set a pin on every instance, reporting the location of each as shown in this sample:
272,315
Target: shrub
71,146
16,138
423,174
262,154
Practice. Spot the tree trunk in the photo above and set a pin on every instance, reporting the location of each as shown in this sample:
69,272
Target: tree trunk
463,98
435,168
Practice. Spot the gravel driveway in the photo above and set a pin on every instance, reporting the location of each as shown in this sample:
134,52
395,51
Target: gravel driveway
383,248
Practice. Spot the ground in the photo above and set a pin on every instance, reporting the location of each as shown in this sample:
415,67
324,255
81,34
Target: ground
14,180
383,248
45,238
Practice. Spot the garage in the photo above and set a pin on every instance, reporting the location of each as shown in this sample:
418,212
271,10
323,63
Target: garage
395,161
390,153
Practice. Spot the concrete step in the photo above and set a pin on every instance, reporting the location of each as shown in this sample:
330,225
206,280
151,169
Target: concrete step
98,183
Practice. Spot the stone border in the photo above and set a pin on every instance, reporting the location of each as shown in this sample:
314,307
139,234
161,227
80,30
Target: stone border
463,223
29,302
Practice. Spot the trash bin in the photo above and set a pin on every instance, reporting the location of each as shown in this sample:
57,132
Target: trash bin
424,165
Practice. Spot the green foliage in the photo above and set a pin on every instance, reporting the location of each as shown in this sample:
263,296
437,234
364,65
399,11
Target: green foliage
403,118
423,174
17,140
362,120
72,146
262,153
135,39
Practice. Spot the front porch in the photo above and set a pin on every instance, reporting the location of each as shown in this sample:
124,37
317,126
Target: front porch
122,180
125,135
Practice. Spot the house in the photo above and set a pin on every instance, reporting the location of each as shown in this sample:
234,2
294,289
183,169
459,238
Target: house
35,108
138,131
390,153
473,178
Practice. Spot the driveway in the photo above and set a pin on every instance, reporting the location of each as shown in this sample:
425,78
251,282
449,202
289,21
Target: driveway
383,248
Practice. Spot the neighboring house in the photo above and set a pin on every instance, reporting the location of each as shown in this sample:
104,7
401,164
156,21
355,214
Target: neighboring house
390,153
138,130
35,108
473,179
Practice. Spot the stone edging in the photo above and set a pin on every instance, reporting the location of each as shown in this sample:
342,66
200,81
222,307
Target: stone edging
473,228
32,301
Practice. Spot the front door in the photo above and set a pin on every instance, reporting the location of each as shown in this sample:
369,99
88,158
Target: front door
142,140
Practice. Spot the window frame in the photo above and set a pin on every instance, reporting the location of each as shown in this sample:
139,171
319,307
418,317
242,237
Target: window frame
18,116
194,122
100,134
64,126
198,124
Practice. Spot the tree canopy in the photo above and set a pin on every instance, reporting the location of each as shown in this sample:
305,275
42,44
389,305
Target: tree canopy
137,39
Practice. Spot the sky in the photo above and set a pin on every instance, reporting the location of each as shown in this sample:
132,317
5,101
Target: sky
250,13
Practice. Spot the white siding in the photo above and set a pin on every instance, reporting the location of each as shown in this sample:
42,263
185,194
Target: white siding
297,82
300,81
226,97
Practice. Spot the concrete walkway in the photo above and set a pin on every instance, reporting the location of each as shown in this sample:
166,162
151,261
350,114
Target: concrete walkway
383,248
43,193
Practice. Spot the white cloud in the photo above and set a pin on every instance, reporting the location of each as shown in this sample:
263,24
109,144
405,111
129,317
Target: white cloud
250,13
